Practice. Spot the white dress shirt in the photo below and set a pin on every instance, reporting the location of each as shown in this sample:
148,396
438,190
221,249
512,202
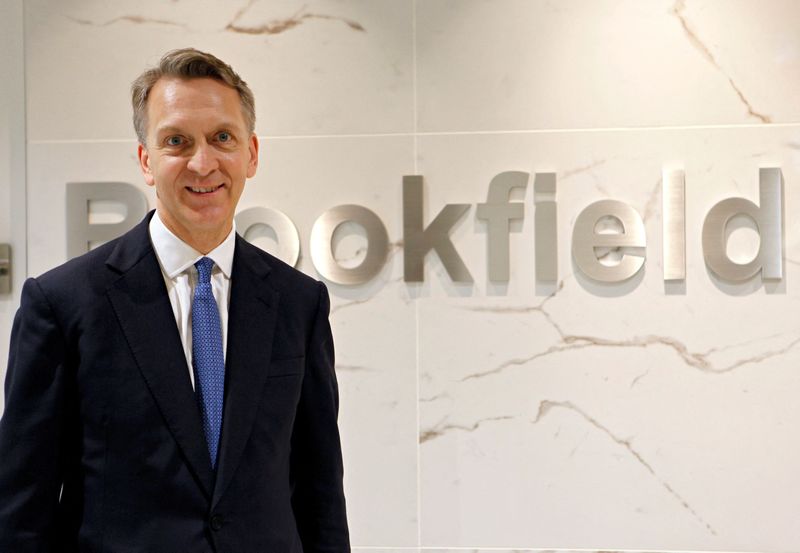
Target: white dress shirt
177,259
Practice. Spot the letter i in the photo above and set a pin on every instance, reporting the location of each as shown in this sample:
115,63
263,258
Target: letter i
545,227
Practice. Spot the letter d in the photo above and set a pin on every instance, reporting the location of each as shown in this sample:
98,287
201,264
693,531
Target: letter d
769,219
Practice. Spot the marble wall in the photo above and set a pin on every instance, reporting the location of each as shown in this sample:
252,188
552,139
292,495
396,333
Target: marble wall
12,161
637,416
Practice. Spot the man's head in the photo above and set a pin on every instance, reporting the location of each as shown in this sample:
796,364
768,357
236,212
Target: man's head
188,63
194,118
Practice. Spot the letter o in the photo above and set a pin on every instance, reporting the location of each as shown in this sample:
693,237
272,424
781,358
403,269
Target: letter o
322,235
285,231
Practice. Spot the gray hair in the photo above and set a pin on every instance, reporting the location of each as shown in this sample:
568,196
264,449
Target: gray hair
188,63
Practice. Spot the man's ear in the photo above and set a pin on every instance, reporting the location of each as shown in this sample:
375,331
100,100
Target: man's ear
144,165
252,146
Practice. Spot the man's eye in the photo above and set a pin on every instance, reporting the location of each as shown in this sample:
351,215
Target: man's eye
224,137
174,141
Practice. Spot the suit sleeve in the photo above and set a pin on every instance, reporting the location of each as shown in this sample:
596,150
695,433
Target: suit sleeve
317,469
32,427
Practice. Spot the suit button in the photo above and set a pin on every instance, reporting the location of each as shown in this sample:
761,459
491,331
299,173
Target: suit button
216,522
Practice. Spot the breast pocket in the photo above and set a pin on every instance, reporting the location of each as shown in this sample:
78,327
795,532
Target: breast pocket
287,367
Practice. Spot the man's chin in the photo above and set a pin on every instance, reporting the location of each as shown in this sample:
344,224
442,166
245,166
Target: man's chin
209,221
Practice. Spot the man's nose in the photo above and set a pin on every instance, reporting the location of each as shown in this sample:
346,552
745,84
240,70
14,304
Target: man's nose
203,160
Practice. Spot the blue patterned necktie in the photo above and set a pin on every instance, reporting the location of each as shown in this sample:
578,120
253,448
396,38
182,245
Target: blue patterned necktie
207,357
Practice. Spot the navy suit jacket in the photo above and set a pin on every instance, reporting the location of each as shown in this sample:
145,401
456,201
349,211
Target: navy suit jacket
101,443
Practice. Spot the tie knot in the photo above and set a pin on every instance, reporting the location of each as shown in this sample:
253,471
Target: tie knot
204,267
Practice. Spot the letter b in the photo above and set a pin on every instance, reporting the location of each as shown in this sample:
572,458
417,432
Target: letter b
80,232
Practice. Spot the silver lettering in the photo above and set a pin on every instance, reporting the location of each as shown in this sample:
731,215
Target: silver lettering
585,239
545,227
81,232
286,233
498,212
674,225
322,254
418,241
769,219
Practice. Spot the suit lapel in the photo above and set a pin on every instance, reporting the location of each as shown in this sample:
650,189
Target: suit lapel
251,325
144,312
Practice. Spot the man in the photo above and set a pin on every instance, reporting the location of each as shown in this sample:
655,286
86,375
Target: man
173,390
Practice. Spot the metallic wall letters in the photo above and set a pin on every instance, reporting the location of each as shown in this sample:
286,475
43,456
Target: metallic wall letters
545,227
321,251
769,219
498,212
585,240
285,231
79,232
673,193
418,241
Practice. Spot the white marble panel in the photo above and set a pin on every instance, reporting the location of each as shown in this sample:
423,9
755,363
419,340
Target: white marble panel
50,168
385,550
12,165
519,550
373,324
520,64
318,67
631,416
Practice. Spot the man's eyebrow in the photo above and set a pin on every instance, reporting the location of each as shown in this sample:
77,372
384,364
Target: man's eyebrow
168,129
223,125
228,125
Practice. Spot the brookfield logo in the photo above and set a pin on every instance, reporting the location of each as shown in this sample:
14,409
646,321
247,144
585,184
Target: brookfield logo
591,243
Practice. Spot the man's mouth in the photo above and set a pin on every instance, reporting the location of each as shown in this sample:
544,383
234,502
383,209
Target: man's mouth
204,190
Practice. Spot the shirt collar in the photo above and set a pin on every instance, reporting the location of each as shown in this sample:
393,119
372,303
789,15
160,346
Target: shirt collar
175,256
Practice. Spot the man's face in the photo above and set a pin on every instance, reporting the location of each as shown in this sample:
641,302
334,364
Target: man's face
199,153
